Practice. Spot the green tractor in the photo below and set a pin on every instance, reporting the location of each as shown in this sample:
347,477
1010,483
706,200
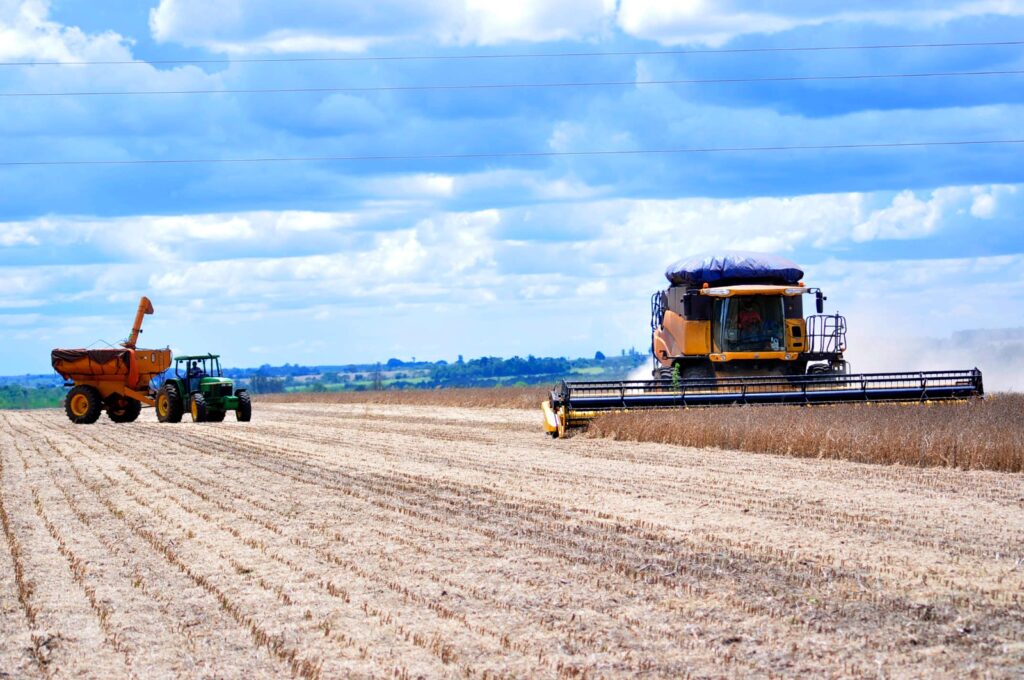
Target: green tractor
199,387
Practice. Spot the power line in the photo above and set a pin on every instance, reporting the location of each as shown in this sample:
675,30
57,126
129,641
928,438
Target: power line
517,154
511,86
519,55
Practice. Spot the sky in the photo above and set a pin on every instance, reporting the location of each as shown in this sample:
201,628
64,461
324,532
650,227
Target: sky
338,261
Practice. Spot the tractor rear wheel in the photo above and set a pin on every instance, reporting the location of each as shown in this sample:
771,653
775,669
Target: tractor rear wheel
215,416
168,404
243,413
198,408
83,405
123,409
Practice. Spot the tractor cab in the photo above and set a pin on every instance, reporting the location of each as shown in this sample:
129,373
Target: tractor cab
199,370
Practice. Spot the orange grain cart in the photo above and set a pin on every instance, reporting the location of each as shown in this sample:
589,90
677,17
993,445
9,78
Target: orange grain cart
114,380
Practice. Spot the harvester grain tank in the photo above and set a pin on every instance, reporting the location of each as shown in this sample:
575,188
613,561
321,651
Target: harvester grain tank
730,330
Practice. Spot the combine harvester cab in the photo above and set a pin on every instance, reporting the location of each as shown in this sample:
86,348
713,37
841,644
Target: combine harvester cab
114,380
730,330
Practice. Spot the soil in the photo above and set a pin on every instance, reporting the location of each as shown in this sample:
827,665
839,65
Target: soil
325,540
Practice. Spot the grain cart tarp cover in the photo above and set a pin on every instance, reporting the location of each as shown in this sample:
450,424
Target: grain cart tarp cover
733,267
91,362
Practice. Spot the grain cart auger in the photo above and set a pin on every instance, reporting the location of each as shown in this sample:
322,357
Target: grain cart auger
115,380
730,330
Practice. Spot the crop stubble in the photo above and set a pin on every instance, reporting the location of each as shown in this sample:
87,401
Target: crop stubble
330,539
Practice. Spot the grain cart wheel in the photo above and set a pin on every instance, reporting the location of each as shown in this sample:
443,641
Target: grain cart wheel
83,405
198,408
168,404
215,416
243,413
123,409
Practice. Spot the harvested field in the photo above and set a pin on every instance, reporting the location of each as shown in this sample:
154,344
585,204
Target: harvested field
479,397
325,540
974,435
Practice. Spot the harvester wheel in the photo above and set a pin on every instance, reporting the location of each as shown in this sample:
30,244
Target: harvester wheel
698,371
198,408
83,405
123,409
243,413
215,416
168,404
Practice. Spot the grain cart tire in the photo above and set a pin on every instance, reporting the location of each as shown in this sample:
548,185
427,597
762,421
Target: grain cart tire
83,405
123,409
198,408
243,413
215,416
168,404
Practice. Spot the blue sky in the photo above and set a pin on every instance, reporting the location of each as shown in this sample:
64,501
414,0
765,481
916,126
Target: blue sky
320,262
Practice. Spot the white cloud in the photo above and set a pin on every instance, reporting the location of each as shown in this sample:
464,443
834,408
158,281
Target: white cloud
418,185
255,26
251,26
715,23
27,33
17,235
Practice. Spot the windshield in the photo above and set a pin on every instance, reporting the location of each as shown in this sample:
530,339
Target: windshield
750,323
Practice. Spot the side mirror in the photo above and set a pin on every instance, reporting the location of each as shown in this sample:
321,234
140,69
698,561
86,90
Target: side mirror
819,302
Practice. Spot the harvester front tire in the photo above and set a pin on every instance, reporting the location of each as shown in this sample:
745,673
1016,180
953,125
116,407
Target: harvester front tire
83,405
198,408
243,413
168,404
123,409
697,371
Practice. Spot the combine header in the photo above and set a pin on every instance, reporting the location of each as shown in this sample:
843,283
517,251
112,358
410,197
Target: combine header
730,331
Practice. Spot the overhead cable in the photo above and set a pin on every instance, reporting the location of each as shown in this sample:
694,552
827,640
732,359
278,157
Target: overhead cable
517,55
514,154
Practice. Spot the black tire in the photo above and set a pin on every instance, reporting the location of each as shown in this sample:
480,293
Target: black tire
83,405
662,373
215,416
123,409
197,406
697,371
168,404
243,413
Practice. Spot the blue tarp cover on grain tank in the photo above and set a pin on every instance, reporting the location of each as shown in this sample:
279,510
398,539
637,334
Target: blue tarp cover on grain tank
733,267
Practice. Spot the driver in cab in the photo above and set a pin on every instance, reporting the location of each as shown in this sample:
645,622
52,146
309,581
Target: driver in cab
194,374
748,320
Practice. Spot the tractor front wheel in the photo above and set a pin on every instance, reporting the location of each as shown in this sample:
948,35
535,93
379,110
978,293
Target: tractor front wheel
243,413
168,404
215,416
198,408
123,409
83,405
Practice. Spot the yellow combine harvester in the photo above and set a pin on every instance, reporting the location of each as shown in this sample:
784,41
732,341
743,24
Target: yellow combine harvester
730,329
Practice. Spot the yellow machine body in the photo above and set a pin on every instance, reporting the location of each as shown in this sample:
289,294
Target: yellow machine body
125,370
681,336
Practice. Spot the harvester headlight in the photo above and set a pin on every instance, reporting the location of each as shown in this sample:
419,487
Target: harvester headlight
717,292
795,291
